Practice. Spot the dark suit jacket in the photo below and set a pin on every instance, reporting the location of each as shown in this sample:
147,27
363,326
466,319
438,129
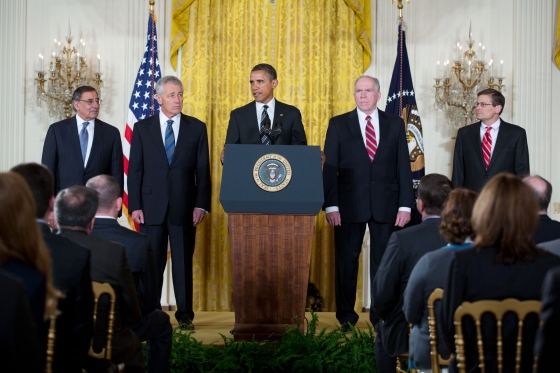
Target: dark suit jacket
139,255
358,187
547,230
243,127
74,325
474,275
19,345
155,186
404,249
546,344
63,156
511,154
108,264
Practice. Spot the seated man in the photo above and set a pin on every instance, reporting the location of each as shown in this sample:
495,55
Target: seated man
404,249
548,229
75,209
70,274
155,326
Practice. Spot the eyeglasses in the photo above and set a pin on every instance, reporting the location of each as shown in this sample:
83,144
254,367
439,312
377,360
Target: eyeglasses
483,104
91,101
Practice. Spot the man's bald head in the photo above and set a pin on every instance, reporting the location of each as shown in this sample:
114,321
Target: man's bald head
543,189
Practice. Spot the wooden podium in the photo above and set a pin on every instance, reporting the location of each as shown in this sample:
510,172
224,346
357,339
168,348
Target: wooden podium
271,232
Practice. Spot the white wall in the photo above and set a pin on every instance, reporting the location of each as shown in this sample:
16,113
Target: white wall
520,32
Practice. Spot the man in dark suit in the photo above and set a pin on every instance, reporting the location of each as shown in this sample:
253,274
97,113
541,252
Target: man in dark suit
546,343
157,328
366,180
75,209
81,147
404,249
70,273
548,229
249,124
488,147
169,188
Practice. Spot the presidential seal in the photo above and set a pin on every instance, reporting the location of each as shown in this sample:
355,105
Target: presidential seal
272,172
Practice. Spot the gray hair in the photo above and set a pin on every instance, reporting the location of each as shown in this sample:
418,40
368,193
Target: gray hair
77,95
369,77
76,206
167,79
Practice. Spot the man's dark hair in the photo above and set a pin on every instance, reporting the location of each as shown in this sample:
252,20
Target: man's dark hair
433,191
268,70
77,95
108,189
496,96
76,206
41,183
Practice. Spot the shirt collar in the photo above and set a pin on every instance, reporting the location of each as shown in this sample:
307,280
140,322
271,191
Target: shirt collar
494,125
163,118
80,121
271,104
362,116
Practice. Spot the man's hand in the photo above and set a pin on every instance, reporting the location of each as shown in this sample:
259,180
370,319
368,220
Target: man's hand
403,217
51,221
197,216
138,216
333,218
222,155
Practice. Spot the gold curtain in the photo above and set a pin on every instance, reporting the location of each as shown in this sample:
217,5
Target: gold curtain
318,48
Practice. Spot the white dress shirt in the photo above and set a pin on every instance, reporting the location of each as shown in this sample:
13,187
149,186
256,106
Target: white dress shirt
493,132
90,130
163,125
260,107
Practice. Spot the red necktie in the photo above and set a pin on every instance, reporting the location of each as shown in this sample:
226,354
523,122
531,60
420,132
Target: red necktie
487,146
371,140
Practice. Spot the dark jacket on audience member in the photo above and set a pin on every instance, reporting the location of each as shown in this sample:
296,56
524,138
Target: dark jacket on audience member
74,325
19,344
547,230
404,249
546,344
475,275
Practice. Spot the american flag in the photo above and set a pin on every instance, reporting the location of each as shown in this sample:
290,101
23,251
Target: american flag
143,103
401,101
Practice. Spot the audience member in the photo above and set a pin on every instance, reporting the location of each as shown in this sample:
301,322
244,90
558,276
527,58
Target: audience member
19,344
154,326
548,229
74,210
71,276
546,344
404,249
431,272
23,253
503,262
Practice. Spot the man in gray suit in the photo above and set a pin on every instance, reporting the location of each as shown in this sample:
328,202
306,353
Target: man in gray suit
249,124
490,146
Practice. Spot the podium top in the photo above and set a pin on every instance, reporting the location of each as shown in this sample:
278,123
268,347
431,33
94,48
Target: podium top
273,179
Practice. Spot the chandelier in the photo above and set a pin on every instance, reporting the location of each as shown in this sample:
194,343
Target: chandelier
66,71
455,92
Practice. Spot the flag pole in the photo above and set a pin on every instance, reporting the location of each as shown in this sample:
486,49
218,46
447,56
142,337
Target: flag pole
400,6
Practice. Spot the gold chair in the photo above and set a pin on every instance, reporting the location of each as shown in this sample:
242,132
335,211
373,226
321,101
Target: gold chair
98,290
51,337
498,309
402,357
437,359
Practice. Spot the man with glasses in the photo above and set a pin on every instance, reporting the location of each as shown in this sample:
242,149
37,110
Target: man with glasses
490,146
79,148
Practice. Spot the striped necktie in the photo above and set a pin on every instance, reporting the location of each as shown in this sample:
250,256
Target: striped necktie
371,140
487,147
169,141
264,118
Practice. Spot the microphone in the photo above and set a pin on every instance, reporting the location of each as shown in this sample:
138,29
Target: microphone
275,133
266,126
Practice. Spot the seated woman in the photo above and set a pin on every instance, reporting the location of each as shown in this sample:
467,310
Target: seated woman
503,262
23,253
431,272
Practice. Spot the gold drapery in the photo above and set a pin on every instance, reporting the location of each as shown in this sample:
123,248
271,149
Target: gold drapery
318,48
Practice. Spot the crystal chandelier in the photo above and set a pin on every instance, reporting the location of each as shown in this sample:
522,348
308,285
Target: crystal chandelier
455,92
67,70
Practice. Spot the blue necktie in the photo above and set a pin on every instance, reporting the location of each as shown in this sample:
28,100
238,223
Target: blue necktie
169,141
84,140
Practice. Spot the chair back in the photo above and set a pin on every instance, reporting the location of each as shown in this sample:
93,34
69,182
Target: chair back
98,290
401,367
498,309
437,359
51,337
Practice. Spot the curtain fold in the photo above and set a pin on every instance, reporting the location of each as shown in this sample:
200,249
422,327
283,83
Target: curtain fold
318,48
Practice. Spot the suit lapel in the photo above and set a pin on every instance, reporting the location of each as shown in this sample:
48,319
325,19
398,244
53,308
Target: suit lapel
98,133
250,117
181,142
155,134
354,127
504,137
474,135
75,139
384,128
278,113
